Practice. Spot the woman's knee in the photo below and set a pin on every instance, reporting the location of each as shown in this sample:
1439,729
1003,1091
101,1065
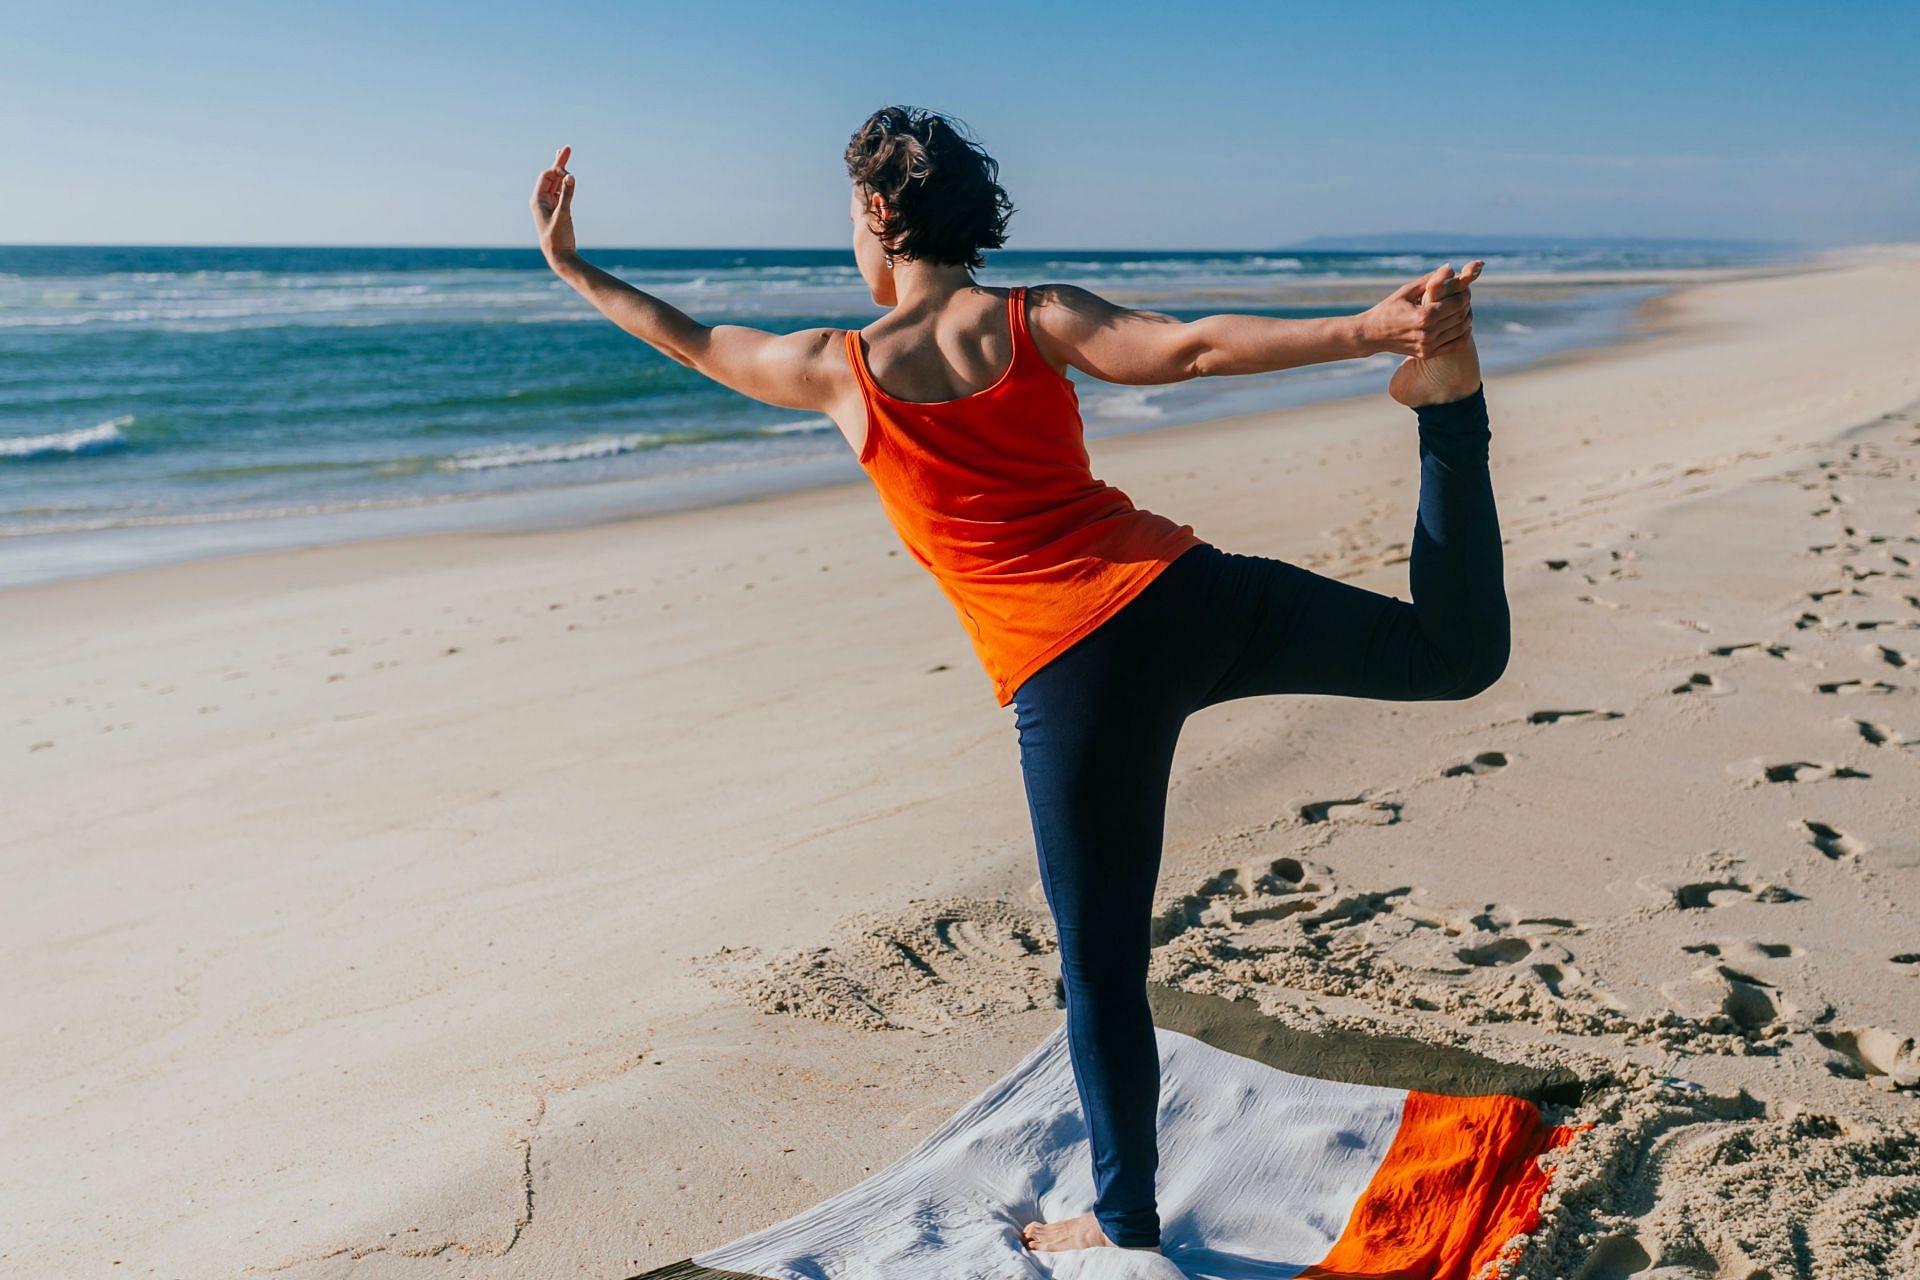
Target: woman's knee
1482,667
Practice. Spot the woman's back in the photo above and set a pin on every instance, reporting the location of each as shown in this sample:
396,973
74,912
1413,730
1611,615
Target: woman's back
944,354
990,488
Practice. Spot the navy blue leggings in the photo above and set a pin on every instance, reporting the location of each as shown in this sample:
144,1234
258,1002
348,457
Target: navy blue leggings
1098,724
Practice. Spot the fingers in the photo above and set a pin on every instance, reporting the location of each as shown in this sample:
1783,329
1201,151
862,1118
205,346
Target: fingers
553,189
1442,322
1447,321
1460,283
1412,291
1436,283
1429,345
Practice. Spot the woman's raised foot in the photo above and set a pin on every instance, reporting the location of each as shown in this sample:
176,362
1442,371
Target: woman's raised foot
1452,372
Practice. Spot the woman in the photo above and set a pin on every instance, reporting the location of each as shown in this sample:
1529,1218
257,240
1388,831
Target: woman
1105,626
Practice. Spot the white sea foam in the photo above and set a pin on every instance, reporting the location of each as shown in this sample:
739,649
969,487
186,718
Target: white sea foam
94,439
236,516
1133,404
521,455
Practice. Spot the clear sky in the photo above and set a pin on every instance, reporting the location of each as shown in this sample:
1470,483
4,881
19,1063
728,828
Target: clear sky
713,122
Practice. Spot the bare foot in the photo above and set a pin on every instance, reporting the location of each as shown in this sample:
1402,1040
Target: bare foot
1082,1232
1451,373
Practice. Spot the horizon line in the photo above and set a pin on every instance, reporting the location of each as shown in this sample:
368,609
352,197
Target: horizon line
1332,244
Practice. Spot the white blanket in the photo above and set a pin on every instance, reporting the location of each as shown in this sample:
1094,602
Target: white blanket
1259,1172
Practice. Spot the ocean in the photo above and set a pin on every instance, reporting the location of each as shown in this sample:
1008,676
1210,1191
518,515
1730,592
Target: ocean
163,403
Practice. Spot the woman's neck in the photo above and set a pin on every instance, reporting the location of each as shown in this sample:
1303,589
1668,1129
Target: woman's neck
926,286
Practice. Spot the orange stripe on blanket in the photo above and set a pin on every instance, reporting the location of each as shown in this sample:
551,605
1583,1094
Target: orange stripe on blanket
1460,1179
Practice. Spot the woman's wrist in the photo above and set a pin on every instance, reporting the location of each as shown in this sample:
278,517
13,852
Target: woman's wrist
1360,340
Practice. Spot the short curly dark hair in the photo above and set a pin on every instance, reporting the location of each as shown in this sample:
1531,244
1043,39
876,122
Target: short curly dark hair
941,187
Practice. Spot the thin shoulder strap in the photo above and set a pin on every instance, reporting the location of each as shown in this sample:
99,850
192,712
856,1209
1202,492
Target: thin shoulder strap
1017,323
857,360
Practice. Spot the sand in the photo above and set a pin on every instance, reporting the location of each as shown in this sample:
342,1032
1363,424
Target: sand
564,903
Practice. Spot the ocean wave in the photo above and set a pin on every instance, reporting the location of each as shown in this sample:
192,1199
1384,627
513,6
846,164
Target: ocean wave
1134,404
95,439
522,455
229,517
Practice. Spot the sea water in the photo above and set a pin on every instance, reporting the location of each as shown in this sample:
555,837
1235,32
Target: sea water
157,403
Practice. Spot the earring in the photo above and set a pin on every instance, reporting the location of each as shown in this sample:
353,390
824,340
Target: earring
889,262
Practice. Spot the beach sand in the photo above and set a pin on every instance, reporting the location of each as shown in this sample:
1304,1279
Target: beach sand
565,903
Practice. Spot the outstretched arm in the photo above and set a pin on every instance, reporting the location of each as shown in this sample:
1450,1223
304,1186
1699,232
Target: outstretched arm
794,370
1119,344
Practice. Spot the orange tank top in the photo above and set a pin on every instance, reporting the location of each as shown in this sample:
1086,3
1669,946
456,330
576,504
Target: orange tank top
992,493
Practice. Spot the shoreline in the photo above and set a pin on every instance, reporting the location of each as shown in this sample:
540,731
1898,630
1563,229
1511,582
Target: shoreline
433,896
134,545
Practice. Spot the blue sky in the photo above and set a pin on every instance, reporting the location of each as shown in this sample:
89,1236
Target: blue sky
1117,125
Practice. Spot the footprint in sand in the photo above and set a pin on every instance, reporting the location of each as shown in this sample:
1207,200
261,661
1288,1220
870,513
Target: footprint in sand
1807,622
1619,1257
1831,841
1891,656
1851,687
1500,951
1758,771
1379,947
1484,763
933,964
1750,1003
1617,571
1357,809
1240,896
1700,682
1750,648
1884,1058
1704,895
1555,717
1745,950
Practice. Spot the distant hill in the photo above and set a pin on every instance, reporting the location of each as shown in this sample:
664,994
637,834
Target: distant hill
1441,242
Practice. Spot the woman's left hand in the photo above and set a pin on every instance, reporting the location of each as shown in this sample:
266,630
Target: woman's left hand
1421,316
553,208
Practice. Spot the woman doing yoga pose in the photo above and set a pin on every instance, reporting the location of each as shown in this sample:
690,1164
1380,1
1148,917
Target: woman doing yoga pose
1104,625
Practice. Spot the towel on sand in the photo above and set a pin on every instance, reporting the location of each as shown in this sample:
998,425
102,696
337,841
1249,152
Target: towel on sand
1282,1154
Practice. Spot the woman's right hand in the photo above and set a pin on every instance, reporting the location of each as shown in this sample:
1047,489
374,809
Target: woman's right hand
553,208
1415,320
